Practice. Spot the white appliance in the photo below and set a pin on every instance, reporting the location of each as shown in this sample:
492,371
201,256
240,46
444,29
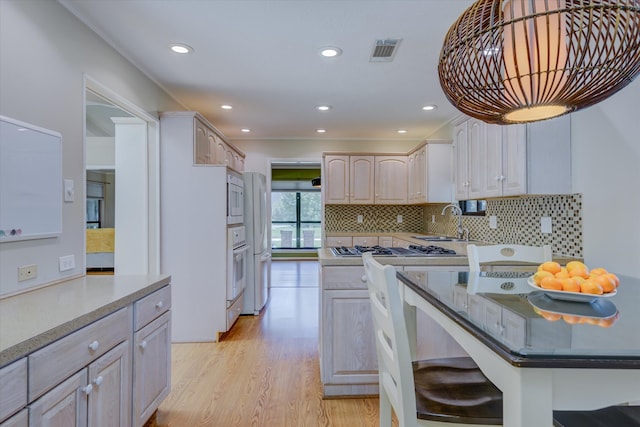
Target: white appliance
238,259
235,198
259,267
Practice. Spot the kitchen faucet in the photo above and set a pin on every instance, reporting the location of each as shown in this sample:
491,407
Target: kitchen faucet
463,233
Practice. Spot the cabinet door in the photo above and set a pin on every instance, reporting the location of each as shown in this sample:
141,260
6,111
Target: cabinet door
361,176
64,405
348,345
203,152
21,419
494,175
221,152
411,173
461,161
336,180
152,364
477,148
391,180
212,142
110,398
420,176
514,160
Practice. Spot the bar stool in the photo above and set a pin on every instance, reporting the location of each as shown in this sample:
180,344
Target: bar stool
447,392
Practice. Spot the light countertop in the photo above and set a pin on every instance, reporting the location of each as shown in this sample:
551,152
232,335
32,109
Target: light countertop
36,318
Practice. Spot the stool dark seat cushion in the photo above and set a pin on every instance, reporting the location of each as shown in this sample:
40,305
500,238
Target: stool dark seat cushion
455,390
613,416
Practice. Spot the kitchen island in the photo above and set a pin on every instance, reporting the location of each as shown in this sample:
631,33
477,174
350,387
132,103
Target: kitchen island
84,349
348,361
544,354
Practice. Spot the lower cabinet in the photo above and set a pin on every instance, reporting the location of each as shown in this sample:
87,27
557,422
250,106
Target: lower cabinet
92,377
348,360
152,367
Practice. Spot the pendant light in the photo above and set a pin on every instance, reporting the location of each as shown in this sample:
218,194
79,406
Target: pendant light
517,61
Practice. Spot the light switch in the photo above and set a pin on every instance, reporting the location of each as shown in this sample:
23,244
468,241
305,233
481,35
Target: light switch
69,191
360,219
399,219
493,222
545,225
433,219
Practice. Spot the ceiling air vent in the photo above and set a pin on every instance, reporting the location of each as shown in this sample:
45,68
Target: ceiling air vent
384,50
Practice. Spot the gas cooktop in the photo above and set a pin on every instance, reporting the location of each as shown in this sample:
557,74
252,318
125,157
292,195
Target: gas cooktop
411,251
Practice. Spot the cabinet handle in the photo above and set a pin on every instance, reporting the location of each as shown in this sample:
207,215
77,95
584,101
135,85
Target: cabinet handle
88,389
143,344
159,305
364,278
94,346
98,380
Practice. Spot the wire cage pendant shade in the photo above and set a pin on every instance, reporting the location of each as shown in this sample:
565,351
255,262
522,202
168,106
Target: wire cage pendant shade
517,61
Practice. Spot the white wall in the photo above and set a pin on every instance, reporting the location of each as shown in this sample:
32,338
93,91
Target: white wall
605,144
44,53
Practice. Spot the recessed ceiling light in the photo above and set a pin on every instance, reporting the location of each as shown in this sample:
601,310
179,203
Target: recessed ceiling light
323,107
402,131
429,107
226,107
181,48
330,51
245,130
321,130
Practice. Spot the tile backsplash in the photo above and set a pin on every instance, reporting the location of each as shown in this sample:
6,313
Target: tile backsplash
518,220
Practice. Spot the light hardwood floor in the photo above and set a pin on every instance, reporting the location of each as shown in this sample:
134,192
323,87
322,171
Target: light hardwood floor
265,372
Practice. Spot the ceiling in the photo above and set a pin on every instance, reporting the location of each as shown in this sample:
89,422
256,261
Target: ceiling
262,57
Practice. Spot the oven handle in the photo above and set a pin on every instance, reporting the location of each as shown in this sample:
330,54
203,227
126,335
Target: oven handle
241,249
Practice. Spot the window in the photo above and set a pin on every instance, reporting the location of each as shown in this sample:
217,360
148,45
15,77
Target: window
295,219
94,207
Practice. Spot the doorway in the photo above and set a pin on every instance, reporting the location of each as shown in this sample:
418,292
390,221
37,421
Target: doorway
121,185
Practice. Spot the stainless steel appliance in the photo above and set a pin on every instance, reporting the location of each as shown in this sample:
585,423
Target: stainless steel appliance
259,267
237,259
411,251
235,198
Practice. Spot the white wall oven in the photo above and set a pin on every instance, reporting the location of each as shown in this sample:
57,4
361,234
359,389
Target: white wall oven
237,258
235,199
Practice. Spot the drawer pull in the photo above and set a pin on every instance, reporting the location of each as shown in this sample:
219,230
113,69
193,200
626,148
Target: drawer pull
98,380
143,345
94,346
159,305
88,389
364,278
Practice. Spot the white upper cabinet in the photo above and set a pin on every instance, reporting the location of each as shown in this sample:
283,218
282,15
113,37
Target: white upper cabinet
429,171
390,180
335,185
361,180
496,161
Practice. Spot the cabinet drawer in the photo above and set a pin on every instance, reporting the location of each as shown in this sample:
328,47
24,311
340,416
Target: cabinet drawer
52,364
365,241
13,388
151,306
21,419
343,278
337,241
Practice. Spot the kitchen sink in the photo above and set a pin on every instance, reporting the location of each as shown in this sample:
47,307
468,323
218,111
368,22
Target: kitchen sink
438,238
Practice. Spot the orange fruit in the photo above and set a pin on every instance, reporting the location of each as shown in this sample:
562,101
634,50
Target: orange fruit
579,272
551,317
606,281
614,278
576,264
579,280
551,283
591,287
598,271
562,274
606,323
550,266
570,285
572,320
539,275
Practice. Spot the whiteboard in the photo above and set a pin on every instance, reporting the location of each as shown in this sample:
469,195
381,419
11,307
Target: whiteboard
30,181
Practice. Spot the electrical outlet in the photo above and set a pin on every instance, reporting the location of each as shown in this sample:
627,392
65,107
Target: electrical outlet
360,219
545,225
67,262
433,219
27,272
493,222
399,219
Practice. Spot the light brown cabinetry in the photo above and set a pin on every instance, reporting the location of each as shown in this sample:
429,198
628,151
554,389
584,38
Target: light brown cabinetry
497,161
208,145
390,180
337,241
430,173
13,393
348,361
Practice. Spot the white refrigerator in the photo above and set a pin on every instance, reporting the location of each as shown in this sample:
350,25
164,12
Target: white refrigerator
256,293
